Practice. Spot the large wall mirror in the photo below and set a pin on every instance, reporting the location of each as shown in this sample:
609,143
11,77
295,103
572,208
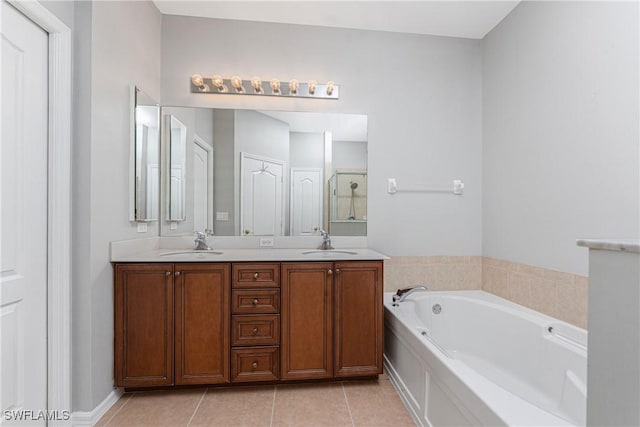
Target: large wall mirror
145,149
264,173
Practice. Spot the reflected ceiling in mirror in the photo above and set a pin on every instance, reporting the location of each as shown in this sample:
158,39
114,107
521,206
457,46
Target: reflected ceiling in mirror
270,173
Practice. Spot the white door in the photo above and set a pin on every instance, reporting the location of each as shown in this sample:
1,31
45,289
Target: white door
261,198
202,185
306,201
23,210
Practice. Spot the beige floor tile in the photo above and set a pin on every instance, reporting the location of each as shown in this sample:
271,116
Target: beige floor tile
376,403
238,407
311,405
158,408
104,420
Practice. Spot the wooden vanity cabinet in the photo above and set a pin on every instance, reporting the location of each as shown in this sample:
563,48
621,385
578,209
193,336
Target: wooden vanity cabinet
255,308
171,324
331,319
358,318
217,323
307,341
143,325
201,323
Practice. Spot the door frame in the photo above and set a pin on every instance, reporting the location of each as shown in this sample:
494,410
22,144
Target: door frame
59,204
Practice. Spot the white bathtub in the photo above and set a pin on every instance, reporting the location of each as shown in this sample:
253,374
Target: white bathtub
484,361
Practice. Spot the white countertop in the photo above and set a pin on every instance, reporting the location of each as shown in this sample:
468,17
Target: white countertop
233,255
627,245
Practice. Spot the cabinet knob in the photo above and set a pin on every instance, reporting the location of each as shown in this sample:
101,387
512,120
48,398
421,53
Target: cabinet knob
255,365
255,301
330,272
255,331
177,273
167,273
337,271
255,276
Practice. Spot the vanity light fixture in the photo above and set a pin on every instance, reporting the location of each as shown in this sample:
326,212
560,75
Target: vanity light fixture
235,85
256,82
218,82
236,82
275,86
198,81
312,87
293,87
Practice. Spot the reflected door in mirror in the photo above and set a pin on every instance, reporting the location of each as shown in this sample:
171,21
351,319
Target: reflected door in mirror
177,160
306,201
261,196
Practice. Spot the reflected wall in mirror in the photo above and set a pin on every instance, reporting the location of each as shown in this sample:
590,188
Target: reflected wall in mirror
145,148
272,173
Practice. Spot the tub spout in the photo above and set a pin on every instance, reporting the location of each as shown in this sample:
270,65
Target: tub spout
403,293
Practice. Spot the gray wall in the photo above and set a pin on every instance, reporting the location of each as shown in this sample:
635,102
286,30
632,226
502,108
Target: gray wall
426,133
349,155
306,150
106,62
224,171
560,131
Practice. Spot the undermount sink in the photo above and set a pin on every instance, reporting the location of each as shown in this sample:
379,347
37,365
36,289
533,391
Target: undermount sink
330,252
192,254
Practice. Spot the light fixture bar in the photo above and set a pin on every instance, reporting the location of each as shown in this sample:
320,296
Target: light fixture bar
256,86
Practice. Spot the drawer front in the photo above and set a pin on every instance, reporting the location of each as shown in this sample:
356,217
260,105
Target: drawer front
255,330
255,301
254,364
256,275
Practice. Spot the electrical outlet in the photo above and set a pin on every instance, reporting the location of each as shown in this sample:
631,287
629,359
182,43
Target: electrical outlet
222,216
266,242
173,226
142,227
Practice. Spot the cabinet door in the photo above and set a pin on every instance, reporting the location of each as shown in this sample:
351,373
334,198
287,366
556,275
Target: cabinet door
358,318
202,323
306,320
143,325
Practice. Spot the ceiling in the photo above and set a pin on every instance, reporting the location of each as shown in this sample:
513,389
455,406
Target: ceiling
451,18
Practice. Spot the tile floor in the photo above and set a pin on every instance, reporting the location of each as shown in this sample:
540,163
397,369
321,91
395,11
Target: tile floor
349,403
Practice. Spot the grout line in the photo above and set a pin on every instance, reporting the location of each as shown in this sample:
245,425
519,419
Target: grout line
347,402
197,407
119,409
273,406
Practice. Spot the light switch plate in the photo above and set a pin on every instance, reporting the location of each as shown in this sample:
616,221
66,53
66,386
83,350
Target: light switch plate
174,225
142,227
222,216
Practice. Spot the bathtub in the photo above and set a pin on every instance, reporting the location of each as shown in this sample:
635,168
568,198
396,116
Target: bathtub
472,358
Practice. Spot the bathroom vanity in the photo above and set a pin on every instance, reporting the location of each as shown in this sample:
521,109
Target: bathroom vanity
247,316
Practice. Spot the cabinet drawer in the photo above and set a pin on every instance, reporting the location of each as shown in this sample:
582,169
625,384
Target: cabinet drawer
255,330
256,275
255,301
254,364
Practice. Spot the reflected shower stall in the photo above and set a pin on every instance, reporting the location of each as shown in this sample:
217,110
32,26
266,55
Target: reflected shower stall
348,203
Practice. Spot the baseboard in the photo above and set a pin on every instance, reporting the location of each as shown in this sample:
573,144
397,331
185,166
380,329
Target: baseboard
90,418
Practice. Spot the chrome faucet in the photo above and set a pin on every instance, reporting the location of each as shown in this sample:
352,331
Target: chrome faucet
403,293
201,240
326,241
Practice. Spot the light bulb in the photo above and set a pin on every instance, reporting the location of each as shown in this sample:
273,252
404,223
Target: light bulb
293,87
256,82
330,88
275,85
236,82
312,87
218,81
197,80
